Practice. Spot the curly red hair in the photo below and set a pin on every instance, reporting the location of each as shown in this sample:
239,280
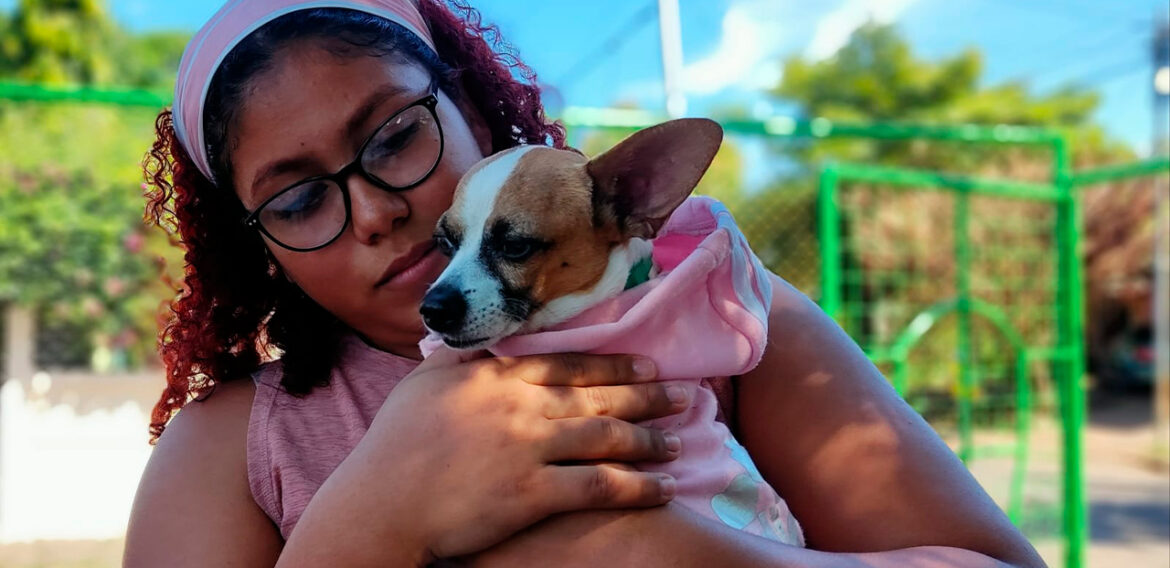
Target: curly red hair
235,308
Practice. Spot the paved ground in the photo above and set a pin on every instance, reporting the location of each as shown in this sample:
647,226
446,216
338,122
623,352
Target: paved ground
1129,501
1129,493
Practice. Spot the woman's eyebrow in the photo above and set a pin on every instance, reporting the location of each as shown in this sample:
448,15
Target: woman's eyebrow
355,121
279,167
371,103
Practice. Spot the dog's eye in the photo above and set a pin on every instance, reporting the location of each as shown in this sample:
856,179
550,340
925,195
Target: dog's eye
445,245
517,250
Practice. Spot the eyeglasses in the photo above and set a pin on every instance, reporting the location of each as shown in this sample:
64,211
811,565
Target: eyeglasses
401,154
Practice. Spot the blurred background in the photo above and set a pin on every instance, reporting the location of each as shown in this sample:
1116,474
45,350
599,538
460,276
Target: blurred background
975,189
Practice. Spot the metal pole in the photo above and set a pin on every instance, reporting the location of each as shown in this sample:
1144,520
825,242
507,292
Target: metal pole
670,30
829,227
962,247
1072,394
1162,321
1161,307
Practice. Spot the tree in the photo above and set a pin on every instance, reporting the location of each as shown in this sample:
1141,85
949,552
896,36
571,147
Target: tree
150,60
75,42
898,247
877,77
59,42
72,242
74,248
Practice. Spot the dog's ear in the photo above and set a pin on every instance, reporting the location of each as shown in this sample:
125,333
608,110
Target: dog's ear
641,181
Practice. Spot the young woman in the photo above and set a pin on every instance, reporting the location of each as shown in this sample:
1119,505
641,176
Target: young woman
312,147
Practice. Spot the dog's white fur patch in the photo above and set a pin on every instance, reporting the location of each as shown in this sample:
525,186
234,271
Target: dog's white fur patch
621,259
466,272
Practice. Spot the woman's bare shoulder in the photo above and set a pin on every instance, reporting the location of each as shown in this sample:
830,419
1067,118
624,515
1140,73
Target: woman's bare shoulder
227,407
194,506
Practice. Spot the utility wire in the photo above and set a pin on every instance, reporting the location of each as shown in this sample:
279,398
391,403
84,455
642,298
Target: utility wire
1090,40
608,48
1110,73
1058,61
1072,11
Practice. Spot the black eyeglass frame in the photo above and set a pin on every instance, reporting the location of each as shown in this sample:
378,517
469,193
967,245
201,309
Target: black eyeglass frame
430,102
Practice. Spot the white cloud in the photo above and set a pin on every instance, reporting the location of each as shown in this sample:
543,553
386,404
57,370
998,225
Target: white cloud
749,46
834,29
756,34
751,35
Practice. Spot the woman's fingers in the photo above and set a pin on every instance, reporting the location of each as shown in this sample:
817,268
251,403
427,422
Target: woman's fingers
610,439
633,403
581,487
595,385
579,370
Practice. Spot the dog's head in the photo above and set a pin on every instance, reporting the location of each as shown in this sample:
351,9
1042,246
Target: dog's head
536,235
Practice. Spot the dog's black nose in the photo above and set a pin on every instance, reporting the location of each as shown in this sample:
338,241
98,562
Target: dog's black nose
443,309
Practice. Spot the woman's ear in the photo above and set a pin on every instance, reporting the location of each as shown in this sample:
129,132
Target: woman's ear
475,121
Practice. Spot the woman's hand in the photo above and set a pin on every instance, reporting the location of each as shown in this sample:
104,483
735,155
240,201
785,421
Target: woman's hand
464,453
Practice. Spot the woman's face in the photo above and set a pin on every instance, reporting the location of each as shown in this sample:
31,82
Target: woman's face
307,116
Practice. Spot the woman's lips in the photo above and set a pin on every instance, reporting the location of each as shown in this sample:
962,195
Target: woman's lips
410,266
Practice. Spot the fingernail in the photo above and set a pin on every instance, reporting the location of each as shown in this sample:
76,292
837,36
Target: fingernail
676,394
644,368
673,443
667,486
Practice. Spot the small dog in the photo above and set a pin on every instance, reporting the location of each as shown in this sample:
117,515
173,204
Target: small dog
551,252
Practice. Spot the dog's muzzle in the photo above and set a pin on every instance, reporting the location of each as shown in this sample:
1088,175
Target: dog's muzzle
444,309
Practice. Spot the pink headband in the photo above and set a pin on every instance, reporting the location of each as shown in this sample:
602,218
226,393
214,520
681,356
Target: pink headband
230,26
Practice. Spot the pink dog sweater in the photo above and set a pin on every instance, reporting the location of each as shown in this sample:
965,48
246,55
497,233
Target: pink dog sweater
704,315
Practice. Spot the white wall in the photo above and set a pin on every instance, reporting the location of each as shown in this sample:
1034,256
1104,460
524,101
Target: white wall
72,448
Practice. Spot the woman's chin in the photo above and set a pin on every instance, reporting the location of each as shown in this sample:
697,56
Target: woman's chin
399,334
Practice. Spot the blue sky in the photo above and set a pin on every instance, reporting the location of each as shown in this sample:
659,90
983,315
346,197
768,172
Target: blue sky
731,46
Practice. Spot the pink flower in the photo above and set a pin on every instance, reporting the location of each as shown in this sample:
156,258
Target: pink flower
133,242
115,286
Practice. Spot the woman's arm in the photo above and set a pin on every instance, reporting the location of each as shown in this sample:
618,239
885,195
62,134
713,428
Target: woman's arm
672,536
859,468
462,455
869,481
193,506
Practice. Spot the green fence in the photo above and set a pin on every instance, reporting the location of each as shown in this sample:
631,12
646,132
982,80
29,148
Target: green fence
985,340
970,335
967,292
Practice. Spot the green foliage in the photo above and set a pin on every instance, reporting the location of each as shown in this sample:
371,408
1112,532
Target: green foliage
898,250
74,245
59,41
74,42
150,60
72,241
877,77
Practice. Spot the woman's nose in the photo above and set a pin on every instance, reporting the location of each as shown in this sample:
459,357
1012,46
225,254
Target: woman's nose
375,212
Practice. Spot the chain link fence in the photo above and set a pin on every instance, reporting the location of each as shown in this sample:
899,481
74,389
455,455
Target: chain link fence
908,256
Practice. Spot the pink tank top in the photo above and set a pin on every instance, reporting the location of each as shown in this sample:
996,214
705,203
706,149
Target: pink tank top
295,443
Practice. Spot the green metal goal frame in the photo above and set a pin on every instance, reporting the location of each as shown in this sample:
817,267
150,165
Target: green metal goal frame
1063,195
